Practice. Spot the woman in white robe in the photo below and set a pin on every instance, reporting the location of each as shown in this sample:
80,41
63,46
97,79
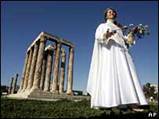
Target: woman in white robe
112,79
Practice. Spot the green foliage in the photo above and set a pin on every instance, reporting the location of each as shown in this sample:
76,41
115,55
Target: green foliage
153,107
31,108
149,91
12,108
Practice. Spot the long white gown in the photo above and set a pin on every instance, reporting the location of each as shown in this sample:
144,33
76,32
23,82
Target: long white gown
112,79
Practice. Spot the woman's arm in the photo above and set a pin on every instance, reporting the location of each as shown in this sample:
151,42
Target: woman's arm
101,35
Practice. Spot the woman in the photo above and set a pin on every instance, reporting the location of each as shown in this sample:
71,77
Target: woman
112,79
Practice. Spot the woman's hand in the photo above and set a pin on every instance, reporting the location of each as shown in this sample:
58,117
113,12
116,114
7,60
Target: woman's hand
108,34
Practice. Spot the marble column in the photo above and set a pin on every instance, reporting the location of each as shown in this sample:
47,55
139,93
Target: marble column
11,85
55,87
70,71
38,70
53,64
28,69
42,80
24,72
33,65
49,51
62,71
14,85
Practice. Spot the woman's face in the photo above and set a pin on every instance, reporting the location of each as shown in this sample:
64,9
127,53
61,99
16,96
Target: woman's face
111,14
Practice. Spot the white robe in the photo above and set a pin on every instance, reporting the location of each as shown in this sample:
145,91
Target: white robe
112,79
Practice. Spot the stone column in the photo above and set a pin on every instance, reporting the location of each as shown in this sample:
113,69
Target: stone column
24,72
53,64
56,69
49,51
62,71
14,85
33,65
38,70
28,69
11,84
42,80
70,71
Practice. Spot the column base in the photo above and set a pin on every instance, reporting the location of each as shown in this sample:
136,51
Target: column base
22,91
55,91
28,89
19,90
69,92
45,90
61,92
33,89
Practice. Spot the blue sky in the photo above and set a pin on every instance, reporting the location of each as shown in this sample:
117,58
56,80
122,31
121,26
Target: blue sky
21,22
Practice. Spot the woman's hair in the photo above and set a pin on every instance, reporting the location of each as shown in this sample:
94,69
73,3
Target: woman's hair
105,16
105,13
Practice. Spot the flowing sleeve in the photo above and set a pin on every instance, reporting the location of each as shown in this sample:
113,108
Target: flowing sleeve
99,35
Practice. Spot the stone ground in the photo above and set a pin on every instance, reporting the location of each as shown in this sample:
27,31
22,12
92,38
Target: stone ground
46,96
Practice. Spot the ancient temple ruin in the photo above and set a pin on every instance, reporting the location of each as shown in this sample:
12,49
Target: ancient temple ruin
44,61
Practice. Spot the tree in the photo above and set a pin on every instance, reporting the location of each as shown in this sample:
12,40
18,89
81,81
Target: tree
149,91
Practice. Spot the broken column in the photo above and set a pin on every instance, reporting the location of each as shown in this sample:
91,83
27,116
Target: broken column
11,85
14,84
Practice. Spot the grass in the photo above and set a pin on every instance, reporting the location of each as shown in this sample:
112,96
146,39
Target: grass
12,108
